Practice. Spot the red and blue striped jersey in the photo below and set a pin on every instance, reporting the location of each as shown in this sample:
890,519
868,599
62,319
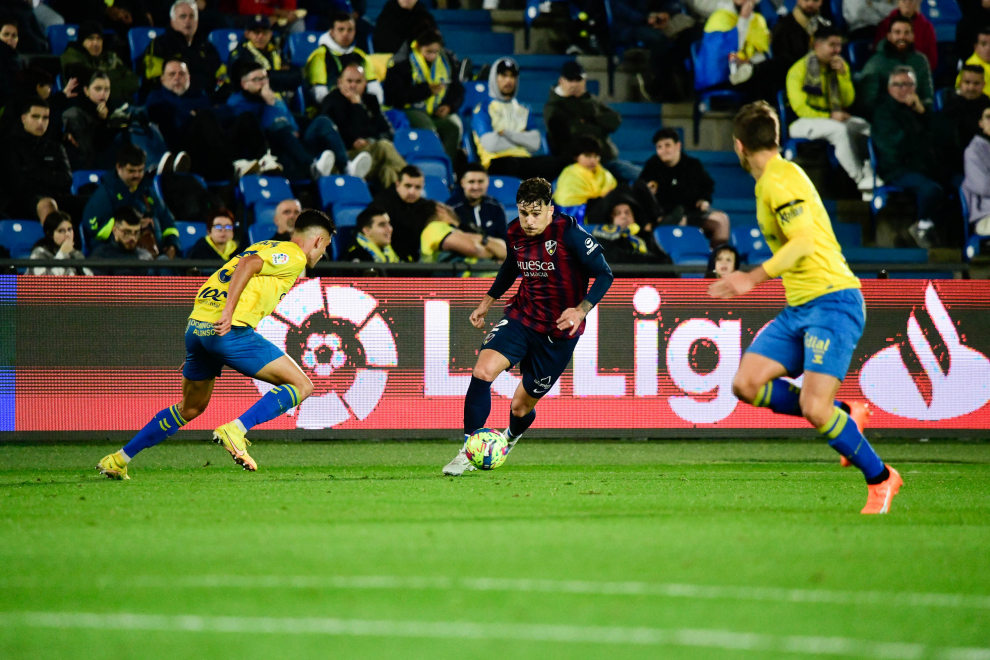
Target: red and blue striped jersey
555,267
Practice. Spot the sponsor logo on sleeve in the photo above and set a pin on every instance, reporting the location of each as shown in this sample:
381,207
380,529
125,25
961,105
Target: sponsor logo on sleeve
590,244
280,258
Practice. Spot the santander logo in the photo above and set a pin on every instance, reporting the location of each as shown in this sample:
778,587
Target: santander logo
961,388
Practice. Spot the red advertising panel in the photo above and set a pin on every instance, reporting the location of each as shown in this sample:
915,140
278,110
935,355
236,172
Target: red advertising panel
393,358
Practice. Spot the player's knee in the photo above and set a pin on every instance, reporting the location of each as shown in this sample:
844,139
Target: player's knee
305,387
520,408
816,410
484,372
191,411
744,388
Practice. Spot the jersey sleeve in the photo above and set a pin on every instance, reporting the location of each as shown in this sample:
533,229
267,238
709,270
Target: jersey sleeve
431,240
281,259
589,254
790,202
507,274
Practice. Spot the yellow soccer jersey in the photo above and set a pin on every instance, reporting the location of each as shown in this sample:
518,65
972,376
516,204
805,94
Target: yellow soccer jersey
284,263
788,207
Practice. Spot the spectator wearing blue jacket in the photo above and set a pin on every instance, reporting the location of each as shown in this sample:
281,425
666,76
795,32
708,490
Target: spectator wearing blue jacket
475,207
314,154
127,185
211,136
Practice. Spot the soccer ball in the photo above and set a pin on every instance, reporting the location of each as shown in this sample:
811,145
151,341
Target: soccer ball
487,449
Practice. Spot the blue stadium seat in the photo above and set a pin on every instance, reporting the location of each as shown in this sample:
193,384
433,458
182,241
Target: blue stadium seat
346,216
685,245
881,194
343,191
301,45
436,189
479,46
463,20
644,116
634,139
577,212
939,101
189,233
82,178
849,234
19,236
341,241
255,188
874,255
710,158
749,241
225,41
858,52
265,213
837,19
504,189
261,231
704,97
474,93
138,39
972,248
422,147
59,37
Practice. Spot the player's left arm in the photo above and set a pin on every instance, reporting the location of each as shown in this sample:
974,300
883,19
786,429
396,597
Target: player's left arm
589,253
245,269
793,213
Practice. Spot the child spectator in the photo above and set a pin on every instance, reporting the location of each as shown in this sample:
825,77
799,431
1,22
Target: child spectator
724,260
586,179
58,243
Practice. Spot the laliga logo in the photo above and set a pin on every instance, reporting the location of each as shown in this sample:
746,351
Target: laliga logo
960,389
330,333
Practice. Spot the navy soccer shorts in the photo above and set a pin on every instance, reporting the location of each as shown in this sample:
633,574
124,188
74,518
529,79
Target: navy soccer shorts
818,336
241,349
540,358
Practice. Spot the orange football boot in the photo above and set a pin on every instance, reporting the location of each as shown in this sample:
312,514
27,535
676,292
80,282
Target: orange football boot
882,494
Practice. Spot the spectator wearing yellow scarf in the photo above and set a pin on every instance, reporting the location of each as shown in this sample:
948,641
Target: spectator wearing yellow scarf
586,179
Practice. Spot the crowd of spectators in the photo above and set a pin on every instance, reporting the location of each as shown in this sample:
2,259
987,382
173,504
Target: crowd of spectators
182,108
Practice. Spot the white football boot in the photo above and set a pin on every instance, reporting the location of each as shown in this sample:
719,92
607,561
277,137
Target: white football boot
459,465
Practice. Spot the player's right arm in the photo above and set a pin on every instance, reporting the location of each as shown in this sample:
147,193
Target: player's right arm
245,269
507,274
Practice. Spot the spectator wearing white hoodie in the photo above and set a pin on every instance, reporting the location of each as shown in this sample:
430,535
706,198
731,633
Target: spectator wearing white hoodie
336,50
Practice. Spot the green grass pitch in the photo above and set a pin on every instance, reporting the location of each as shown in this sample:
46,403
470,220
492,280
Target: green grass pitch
570,550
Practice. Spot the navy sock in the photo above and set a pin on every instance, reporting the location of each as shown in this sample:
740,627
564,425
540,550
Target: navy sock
845,438
518,425
784,398
477,405
161,426
277,401
780,396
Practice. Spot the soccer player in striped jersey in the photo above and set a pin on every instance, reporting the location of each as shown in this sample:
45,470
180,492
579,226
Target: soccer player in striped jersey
220,331
825,314
556,258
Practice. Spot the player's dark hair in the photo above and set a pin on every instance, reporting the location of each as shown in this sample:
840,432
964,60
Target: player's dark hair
475,167
534,191
900,19
757,127
313,218
826,31
130,154
411,171
340,17
367,217
667,134
127,215
586,144
428,37
972,68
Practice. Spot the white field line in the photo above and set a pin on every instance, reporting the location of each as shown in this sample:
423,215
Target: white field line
692,591
712,639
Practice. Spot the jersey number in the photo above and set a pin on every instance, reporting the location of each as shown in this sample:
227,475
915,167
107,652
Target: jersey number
225,274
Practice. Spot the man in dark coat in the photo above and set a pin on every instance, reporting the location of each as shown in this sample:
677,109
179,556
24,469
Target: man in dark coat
184,41
475,207
32,165
399,22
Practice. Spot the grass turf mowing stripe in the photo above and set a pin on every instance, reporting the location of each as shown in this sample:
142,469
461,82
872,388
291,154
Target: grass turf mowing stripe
711,592
714,639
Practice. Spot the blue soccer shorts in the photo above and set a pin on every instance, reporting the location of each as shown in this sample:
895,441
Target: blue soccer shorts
818,336
242,349
541,359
